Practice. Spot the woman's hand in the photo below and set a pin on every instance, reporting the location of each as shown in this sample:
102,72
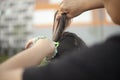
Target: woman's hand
71,7
74,8
33,41
29,43
46,44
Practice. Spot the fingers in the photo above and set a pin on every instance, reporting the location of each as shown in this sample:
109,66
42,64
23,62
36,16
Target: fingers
63,9
33,41
28,44
72,8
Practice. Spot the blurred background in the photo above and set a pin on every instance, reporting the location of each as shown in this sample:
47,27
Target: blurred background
21,20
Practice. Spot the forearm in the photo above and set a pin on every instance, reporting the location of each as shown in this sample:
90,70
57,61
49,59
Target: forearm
12,75
93,4
28,58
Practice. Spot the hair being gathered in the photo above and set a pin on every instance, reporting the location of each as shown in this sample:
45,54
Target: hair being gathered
67,41
59,26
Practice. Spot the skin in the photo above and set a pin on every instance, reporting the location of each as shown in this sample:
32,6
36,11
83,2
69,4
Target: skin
73,8
28,58
112,7
29,43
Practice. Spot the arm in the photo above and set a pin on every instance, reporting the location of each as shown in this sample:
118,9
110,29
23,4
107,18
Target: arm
74,8
29,57
112,7
12,75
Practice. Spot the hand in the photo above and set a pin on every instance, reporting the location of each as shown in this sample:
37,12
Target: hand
44,43
74,8
71,7
33,41
29,43
47,45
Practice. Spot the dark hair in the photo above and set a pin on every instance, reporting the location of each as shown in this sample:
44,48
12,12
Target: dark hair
67,40
59,26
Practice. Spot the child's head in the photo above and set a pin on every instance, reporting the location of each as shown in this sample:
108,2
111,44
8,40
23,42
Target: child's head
68,42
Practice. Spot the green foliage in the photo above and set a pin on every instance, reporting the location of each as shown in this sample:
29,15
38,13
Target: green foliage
3,58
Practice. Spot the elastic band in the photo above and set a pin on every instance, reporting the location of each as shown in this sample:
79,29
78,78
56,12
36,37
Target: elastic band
56,44
55,52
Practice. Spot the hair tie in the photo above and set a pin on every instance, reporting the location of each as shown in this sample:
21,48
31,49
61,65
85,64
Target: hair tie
55,52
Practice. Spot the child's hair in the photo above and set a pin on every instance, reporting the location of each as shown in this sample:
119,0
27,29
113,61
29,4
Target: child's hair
59,26
67,40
